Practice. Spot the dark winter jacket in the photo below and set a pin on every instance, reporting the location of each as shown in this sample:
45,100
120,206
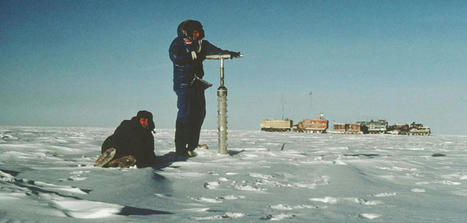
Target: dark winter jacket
131,139
185,67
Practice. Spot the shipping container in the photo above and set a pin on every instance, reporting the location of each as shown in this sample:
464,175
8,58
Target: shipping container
276,125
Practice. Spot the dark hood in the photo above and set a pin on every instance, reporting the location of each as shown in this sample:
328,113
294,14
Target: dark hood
145,114
185,29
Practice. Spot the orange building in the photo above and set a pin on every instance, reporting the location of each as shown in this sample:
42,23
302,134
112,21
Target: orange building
347,128
352,129
317,125
339,128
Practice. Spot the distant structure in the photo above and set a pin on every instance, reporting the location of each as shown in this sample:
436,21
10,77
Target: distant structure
381,127
350,128
339,128
419,130
374,127
316,125
398,129
320,125
353,129
276,125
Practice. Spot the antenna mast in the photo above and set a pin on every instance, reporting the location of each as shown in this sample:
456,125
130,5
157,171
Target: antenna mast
311,102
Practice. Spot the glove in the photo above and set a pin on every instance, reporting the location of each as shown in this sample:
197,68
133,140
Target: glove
197,56
234,54
193,55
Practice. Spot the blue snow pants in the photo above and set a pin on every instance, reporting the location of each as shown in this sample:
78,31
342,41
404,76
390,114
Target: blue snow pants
191,105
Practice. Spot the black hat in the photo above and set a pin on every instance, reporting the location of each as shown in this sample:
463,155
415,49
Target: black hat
144,114
148,115
185,29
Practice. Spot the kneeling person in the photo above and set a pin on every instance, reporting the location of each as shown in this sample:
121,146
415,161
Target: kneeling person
132,143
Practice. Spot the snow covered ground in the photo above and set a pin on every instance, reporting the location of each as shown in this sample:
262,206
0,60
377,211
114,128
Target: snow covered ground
47,175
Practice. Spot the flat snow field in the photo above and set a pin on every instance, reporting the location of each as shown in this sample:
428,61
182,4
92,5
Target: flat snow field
47,175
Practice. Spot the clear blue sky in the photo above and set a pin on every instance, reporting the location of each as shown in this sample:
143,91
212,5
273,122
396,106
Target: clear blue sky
95,63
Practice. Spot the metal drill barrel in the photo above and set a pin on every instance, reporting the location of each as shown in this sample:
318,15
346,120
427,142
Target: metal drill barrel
222,73
222,119
221,106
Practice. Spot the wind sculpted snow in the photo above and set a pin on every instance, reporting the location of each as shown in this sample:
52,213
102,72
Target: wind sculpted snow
47,175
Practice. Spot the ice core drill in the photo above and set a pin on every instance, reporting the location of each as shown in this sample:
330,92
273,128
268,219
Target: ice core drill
221,105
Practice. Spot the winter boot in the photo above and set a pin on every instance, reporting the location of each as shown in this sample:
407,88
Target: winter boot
203,146
106,157
123,162
191,153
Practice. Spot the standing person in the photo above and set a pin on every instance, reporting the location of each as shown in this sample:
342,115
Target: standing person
132,143
187,52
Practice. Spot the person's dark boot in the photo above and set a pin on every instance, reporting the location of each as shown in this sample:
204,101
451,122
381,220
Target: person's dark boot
191,153
123,162
106,157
